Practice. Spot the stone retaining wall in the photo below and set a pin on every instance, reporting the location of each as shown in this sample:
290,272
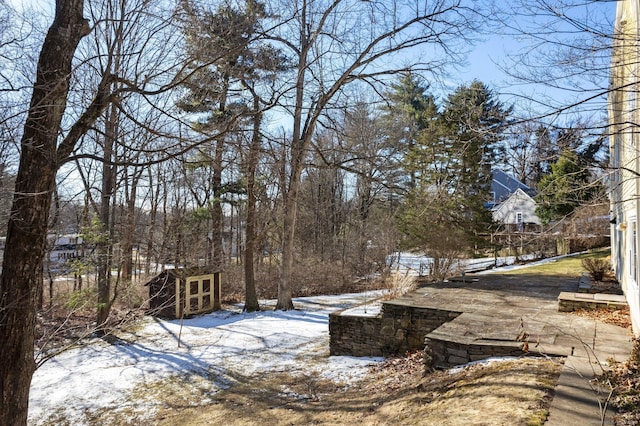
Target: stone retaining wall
355,335
408,325
447,353
396,330
569,302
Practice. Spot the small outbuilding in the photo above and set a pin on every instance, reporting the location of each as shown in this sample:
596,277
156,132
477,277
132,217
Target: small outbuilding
177,293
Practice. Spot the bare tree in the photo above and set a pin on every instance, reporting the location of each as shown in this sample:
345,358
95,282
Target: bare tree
251,233
336,43
56,121
561,68
375,179
21,279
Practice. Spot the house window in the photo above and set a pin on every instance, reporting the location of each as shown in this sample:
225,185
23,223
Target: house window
615,161
633,255
519,221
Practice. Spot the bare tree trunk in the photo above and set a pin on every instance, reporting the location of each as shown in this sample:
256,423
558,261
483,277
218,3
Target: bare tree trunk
217,217
299,144
21,279
285,294
251,298
162,258
104,245
153,214
127,237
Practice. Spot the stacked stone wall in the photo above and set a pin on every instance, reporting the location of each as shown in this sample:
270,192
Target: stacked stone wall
569,302
355,335
396,330
446,353
408,325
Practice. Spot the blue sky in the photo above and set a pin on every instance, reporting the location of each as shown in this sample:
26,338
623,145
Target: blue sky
483,59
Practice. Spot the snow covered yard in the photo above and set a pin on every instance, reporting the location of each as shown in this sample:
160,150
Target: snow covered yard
208,352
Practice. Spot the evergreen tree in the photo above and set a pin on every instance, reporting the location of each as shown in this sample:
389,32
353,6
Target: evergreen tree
565,188
410,110
227,75
452,162
473,123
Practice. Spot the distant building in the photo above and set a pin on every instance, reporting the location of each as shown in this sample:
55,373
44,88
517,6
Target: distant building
62,250
624,146
66,247
504,186
517,212
512,204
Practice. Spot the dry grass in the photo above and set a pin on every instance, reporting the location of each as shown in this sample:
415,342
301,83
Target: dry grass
514,392
397,284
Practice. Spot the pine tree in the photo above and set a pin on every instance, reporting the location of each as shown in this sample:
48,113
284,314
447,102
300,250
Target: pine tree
565,188
473,122
409,112
445,212
227,66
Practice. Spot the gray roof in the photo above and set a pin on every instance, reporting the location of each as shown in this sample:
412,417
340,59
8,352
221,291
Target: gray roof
503,185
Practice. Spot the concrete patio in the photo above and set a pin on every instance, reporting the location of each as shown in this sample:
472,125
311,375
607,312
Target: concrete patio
518,313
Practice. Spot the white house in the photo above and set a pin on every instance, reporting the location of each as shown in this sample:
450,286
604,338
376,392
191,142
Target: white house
62,250
512,205
624,147
516,211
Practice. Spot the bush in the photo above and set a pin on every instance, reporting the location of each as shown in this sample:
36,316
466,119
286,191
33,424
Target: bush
310,277
79,299
132,295
597,267
398,284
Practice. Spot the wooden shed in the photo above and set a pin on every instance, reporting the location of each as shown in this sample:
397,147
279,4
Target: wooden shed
176,293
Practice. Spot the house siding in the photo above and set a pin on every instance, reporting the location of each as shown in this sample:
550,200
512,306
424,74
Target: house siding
624,143
518,202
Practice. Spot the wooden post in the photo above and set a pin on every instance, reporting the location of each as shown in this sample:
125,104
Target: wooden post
217,291
178,298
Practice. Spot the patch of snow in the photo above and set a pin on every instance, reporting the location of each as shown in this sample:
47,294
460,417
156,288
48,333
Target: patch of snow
348,369
418,264
368,309
215,348
486,361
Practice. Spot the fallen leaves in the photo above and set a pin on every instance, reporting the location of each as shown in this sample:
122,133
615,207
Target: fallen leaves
625,380
619,317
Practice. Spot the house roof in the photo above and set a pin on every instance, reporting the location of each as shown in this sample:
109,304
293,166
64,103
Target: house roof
504,185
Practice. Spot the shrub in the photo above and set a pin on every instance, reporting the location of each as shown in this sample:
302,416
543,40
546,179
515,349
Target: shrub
132,295
80,299
398,284
597,267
